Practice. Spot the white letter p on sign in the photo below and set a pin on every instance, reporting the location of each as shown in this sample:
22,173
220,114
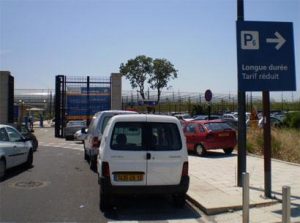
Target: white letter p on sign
249,40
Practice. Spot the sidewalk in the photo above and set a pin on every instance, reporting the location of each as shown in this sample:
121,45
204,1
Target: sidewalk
213,188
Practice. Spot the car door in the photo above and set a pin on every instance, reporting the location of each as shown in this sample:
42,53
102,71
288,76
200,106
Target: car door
165,154
127,155
7,148
19,145
190,134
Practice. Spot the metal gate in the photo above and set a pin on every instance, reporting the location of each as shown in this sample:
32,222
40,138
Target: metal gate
79,98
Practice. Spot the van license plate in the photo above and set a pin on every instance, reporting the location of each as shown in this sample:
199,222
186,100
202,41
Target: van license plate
128,177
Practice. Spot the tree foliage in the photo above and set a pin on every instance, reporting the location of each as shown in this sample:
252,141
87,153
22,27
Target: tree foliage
163,71
157,72
136,71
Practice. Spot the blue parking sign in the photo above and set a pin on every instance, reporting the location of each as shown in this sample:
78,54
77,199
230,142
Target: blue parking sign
266,60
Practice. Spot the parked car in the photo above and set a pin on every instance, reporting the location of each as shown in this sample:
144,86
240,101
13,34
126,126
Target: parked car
72,127
28,134
143,154
275,122
208,135
205,117
230,116
80,135
94,134
14,149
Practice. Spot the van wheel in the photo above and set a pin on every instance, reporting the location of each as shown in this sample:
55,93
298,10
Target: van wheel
2,169
200,150
104,201
228,151
179,200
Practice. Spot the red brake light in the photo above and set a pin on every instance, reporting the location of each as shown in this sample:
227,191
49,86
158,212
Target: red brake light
185,169
105,169
95,142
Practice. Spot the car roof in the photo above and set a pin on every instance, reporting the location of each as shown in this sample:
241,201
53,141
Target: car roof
115,111
145,117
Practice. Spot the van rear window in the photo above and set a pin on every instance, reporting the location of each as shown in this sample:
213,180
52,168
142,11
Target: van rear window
137,136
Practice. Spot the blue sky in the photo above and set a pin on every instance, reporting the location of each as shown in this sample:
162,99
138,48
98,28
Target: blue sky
41,38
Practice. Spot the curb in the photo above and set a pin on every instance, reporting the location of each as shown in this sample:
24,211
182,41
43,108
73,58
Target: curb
221,210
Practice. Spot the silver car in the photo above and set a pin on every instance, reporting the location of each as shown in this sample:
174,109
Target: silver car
94,134
14,149
72,127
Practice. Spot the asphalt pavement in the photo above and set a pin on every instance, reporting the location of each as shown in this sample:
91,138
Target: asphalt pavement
213,185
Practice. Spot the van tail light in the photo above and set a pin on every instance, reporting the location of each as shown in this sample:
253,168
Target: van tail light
105,169
95,143
185,169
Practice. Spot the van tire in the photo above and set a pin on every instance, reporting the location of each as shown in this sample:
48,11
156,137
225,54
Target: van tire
104,201
179,200
200,150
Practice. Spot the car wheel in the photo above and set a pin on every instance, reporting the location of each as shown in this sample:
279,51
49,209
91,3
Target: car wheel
86,157
200,150
2,169
35,144
179,200
228,151
104,201
29,159
93,163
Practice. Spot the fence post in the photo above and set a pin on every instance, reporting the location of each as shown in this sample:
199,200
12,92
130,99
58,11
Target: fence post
245,179
286,204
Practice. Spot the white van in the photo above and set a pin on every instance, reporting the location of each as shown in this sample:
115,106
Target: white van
94,134
143,154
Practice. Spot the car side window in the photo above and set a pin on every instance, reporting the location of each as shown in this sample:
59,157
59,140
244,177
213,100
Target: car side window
3,135
201,129
13,135
191,128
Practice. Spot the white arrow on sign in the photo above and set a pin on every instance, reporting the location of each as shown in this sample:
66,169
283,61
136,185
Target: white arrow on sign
279,40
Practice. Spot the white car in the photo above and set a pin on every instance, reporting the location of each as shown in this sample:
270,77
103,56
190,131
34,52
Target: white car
14,149
79,135
143,154
94,134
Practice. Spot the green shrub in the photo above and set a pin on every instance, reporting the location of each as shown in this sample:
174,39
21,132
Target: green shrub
292,120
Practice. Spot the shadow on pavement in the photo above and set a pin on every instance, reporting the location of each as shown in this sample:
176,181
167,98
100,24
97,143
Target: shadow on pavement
149,208
214,155
15,171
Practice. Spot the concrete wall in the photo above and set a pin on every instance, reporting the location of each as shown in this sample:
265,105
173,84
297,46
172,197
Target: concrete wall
6,97
116,91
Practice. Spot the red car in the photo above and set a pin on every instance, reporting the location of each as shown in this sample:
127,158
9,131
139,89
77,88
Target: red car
206,135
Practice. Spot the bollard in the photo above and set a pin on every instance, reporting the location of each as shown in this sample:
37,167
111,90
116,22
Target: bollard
286,204
245,179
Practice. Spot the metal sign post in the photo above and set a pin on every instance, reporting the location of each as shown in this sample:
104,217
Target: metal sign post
241,114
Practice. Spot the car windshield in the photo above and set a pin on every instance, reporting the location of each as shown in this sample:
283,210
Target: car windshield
217,126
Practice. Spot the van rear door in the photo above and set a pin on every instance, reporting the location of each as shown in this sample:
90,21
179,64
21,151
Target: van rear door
127,154
165,154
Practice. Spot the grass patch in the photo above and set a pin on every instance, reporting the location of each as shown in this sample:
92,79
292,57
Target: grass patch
285,143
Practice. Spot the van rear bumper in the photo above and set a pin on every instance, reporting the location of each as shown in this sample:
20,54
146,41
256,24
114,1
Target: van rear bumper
181,188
